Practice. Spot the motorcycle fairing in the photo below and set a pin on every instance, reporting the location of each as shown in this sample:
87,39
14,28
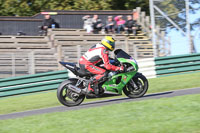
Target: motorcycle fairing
113,85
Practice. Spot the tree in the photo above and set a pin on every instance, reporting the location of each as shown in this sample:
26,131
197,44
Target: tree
174,8
80,5
132,4
22,7
31,7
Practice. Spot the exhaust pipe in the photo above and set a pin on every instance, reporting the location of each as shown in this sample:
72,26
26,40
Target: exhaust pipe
74,88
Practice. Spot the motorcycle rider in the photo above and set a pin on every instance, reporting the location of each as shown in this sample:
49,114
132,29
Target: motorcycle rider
97,53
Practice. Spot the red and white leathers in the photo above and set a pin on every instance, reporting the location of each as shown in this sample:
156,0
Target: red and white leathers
94,55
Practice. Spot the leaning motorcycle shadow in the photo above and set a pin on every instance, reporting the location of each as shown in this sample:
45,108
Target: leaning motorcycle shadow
105,95
126,99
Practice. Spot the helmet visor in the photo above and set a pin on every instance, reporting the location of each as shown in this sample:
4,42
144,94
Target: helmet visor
112,44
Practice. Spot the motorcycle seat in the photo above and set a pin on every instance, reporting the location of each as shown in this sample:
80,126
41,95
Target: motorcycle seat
82,73
76,70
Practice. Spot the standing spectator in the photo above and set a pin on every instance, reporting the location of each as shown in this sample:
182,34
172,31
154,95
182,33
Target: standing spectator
48,22
109,25
97,24
130,25
135,15
120,23
87,23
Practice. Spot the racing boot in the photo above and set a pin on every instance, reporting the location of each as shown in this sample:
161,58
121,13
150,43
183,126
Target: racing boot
95,87
92,91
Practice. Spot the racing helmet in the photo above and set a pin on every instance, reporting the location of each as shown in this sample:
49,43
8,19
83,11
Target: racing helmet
108,42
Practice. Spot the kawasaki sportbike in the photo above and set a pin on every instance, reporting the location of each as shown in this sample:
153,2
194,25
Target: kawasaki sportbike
72,92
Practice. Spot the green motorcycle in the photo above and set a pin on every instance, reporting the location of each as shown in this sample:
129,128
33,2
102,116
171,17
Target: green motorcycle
73,91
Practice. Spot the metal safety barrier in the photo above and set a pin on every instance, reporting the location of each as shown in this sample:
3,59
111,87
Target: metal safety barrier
171,65
31,83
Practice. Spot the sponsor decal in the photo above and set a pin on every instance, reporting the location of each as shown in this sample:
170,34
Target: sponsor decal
124,78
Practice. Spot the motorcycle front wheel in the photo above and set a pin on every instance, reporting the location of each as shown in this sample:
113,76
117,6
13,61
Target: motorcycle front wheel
136,87
68,97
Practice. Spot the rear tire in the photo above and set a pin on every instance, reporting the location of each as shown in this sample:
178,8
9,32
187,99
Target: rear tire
68,97
142,84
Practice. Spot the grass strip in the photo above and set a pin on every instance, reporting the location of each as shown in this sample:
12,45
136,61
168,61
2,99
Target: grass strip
167,115
49,99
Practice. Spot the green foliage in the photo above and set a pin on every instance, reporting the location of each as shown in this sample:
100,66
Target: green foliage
31,7
132,4
22,7
79,5
174,8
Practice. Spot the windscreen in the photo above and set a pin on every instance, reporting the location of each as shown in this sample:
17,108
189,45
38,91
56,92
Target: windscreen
122,54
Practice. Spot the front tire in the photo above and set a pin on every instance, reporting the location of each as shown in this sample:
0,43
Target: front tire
68,97
141,82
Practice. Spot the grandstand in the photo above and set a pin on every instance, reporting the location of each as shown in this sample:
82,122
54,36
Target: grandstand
22,55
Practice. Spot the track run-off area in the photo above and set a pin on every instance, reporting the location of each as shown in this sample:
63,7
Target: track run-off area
100,103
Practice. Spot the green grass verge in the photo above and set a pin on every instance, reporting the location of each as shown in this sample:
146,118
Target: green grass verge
49,99
174,82
166,115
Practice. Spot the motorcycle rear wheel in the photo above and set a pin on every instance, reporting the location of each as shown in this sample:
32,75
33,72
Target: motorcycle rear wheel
66,96
142,84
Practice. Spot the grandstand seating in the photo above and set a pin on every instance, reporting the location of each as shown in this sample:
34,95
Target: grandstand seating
73,43
24,42
22,55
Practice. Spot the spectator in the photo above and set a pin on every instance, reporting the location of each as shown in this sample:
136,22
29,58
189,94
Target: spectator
48,22
130,25
87,24
97,24
109,25
120,23
135,15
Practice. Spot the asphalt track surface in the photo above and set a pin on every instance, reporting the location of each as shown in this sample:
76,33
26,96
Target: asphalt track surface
100,103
